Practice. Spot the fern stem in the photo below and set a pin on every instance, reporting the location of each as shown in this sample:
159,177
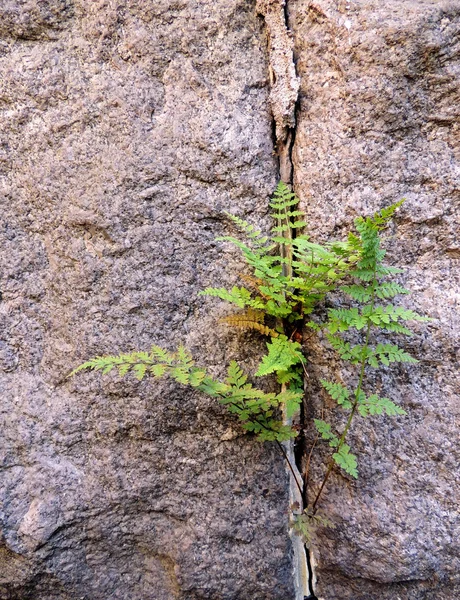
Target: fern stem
280,446
291,468
355,403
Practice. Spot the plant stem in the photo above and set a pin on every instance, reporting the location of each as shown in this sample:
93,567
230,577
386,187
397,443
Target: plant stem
280,446
291,468
355,403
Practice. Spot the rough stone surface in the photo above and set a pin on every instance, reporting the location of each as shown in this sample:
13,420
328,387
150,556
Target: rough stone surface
127,129
378,121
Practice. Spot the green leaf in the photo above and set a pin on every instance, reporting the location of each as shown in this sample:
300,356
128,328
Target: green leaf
197,377
324,429
374,405
162,355
338,392
346,460
139,371
123,369
389,353
180,375
291,400
282,354
235,376
239,296
158,370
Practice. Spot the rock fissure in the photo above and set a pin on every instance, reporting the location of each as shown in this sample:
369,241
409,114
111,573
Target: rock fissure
284,103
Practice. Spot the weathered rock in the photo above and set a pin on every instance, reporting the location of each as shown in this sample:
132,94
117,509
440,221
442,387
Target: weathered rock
378,121
128,128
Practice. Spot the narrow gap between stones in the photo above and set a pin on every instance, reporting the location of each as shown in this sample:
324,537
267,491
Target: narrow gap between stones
300,448
284,151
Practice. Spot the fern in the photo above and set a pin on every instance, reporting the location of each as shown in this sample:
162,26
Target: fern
346,460
338,392
324,429
255,408
290,282
289,277
371,285
374,405
250,319
305,523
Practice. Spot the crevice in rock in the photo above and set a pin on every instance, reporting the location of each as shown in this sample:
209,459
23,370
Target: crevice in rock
284,104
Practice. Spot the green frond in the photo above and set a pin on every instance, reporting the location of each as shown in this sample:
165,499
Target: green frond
282,355
158,370
184,357
281,228
338,392
324,429
397,328
197,377
352,353
235,377
96,364
180,374
283,197
256,237
374,405
346,460
382,291
140,370
293,377
161,355
291,400
343,319
237,295
304,524
389,353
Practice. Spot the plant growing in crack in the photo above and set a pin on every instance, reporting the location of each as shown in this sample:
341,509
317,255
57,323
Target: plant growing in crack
291,276
372,284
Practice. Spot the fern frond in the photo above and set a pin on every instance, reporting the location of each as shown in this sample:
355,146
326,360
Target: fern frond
383,291
374,405
162,355
282,355
283,197
389,353
291,400
324,429
239,296
235,377
347,351
250,319
338,392
257,238
346,460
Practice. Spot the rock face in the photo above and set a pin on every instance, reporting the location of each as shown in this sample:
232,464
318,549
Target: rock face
378,121
128,128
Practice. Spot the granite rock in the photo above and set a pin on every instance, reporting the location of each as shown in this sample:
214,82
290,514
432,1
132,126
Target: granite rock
128,129
378,120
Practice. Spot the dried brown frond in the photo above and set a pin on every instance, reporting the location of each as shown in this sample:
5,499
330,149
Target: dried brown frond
250,319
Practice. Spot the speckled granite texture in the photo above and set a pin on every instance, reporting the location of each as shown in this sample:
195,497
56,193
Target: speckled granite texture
127,129
379,120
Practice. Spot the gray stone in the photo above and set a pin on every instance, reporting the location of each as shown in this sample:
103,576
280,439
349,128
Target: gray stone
128,128
378,121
